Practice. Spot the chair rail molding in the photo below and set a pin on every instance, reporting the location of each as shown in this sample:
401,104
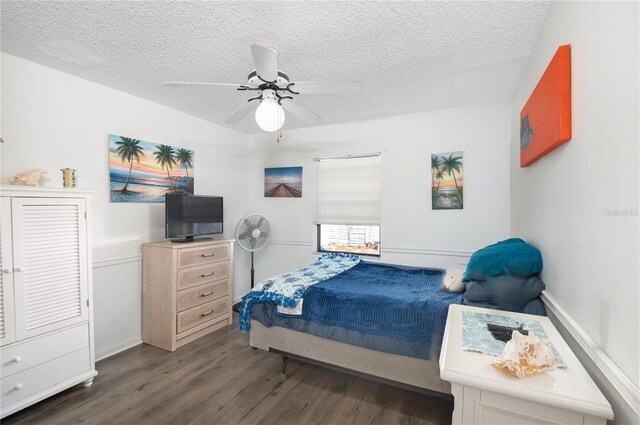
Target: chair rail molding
391,250
625,387
290,243
421,251
117,261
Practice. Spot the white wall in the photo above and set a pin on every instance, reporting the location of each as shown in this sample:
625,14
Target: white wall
411,232
53,120
579,203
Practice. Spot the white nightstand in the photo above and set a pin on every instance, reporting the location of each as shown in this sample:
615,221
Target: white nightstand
486,395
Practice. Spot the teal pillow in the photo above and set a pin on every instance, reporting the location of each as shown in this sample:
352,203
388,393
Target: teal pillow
512,256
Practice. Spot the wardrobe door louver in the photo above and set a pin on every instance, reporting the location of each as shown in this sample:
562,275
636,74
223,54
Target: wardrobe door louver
7,321
3,284
49,264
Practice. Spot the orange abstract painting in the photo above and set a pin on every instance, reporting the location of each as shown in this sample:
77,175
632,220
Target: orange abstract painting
545,120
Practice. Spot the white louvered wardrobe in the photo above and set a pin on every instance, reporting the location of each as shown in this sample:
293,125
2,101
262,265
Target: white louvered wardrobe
46,320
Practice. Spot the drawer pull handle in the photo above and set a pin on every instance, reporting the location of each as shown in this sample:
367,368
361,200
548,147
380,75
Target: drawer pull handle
206,313
18,387
206,274
6,271
207,255
16,359
206,294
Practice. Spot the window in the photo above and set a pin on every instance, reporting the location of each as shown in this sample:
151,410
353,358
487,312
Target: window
345,238
347,210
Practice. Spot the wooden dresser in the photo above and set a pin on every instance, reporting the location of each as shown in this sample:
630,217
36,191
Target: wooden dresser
186,292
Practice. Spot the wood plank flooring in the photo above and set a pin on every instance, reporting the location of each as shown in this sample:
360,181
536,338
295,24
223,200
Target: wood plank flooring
218,379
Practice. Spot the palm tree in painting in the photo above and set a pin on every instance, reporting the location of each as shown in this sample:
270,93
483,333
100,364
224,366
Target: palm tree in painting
185,158
166,158
450,165
435,167
439,177
129,149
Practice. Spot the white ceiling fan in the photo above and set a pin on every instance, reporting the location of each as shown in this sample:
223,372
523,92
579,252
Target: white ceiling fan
275,92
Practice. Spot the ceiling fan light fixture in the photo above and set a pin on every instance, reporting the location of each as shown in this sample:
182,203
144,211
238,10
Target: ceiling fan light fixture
269,115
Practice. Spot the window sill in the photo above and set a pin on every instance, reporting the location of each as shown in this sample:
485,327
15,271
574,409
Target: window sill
367,256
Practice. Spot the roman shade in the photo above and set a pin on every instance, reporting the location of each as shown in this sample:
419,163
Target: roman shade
348,191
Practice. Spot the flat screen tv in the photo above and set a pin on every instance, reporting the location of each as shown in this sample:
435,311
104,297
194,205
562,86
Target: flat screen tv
191,216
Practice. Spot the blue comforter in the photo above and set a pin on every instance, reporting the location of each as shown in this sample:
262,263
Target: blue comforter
403,303
288,288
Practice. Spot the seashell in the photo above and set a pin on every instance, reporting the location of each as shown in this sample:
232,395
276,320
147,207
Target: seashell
526,355
28,177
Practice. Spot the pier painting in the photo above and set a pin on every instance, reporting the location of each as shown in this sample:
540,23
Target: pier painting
141,171
283,182
447,181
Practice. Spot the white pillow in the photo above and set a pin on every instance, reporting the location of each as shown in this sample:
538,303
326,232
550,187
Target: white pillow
453,281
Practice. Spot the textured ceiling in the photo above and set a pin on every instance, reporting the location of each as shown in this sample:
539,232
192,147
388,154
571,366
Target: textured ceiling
409,56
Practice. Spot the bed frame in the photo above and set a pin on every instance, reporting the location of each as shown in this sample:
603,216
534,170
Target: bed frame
407,372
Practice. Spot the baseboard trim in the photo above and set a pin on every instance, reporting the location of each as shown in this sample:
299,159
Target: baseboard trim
112,351
628,391
117,261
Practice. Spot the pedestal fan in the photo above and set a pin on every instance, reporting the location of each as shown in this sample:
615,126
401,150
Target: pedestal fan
253,233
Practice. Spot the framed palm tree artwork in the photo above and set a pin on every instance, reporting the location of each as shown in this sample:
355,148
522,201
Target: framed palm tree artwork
447,181
141,171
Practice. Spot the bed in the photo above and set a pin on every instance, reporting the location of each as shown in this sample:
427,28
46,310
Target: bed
379,321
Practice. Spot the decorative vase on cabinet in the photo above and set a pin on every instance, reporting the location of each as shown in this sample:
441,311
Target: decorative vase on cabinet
46,320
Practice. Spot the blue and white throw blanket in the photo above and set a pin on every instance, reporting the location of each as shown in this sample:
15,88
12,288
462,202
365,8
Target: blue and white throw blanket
287,288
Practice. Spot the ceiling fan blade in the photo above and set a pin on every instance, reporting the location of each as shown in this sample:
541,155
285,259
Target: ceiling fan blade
197,83
240,113
266,60
326,87
300,111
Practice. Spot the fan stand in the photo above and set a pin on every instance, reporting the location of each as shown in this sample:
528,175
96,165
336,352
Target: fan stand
236,306
251,269
252,233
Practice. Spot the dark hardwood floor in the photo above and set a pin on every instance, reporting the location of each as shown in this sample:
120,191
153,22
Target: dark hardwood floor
218,379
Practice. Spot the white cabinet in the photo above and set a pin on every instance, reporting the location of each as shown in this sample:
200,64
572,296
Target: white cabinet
485,395
46,326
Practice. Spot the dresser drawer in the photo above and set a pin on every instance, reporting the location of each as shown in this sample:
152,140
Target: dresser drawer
23,355
30,381
201,314
201,294
194,276
196,256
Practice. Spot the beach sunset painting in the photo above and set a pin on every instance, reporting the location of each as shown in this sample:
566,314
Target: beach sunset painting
141,171
447,181
283,182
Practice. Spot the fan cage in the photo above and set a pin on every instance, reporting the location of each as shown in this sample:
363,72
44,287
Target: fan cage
245,228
